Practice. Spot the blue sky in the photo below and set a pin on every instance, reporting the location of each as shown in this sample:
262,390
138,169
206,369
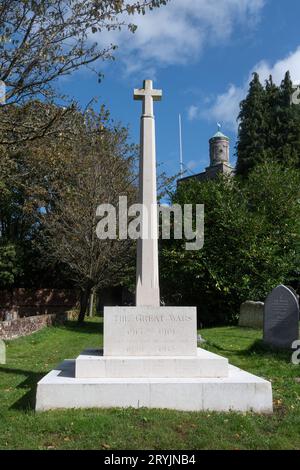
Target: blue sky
201,53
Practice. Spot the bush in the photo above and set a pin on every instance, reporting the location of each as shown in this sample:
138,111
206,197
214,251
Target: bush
251,242
9,267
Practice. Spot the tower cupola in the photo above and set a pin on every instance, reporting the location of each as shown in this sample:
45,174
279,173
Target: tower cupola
219,148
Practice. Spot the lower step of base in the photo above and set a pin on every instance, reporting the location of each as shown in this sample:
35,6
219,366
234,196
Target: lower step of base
240,391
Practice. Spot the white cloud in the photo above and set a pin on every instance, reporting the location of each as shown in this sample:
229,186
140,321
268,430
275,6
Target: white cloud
225,107
193,112
278,70
176,33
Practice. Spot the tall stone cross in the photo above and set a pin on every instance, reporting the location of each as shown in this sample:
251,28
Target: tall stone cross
147,274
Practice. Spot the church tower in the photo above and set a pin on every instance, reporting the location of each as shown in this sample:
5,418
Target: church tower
219,155
219,147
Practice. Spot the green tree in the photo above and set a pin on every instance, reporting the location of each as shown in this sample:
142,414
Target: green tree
251,145
269,126
41,41
101,170
9,265
252,233
32,175
287,144
272,107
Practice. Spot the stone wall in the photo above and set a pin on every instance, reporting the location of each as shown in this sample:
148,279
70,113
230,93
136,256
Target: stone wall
252,315
19,303
25,326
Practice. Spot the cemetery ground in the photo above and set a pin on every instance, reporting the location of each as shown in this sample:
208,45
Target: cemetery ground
31,357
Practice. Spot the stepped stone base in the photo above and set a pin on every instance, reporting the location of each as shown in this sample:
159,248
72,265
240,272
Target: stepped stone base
240,391
92,364
151,360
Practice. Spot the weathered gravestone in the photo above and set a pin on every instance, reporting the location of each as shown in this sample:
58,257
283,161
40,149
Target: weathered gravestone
251,314
281,318
2,352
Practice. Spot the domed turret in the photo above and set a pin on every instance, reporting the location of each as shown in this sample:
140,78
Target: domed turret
219,148
219,159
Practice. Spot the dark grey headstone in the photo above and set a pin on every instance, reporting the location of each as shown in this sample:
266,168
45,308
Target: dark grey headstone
281,318
294,292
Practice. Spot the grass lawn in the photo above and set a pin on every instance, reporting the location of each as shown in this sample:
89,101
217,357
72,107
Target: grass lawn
29,358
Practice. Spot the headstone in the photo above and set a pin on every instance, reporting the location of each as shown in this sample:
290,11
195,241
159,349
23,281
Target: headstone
294,292
252,315
2,352
281,318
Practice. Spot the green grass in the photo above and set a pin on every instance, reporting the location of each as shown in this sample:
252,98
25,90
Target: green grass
29,358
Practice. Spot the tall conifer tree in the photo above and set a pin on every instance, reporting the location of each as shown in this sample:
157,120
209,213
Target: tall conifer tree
272,106
251,143
269,125
288,133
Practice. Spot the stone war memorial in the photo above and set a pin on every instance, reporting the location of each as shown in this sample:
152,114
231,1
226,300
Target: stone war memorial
281,318
150,356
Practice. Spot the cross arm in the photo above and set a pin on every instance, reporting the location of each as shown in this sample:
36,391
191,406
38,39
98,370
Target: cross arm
140,94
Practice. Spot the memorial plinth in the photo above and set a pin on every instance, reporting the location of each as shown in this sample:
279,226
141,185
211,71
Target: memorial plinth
150,342
177,376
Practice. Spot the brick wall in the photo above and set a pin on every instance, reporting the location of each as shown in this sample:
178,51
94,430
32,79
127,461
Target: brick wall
19,303
25,326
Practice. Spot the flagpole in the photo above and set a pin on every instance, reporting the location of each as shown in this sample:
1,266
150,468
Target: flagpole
180,146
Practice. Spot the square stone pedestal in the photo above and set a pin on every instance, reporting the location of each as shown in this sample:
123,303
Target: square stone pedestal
151,360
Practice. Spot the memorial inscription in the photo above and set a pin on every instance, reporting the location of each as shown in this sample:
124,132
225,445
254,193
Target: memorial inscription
172,332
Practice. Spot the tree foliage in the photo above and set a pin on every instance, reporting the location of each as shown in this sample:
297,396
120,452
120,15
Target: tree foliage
9,266
85,160
252,233
101,170
41,41
269,125
251,146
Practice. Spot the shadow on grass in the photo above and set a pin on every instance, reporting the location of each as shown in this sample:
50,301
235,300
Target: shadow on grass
27,401
90,327
261,349
258,348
